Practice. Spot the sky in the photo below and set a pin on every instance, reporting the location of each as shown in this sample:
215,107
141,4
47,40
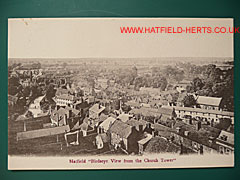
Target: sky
101,37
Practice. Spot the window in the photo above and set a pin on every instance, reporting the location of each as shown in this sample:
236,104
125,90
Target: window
227,151
221,149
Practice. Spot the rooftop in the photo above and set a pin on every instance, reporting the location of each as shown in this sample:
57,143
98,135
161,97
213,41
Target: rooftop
121,128
226,137
107,123
211,101
161,145
97,108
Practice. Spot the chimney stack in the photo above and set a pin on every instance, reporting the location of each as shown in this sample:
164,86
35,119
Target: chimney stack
133,128
178,129
190,121
70,113
140,128
198,125
50,109
65,119
57,107
210,139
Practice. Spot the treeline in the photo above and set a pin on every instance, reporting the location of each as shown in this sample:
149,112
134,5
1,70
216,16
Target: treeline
215,82
206,80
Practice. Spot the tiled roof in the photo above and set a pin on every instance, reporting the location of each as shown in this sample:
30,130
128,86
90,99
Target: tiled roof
83,105
161,145
120,128
201,136
145,140
107,123
84,126
42,132
226,137
133,103
133,122
124,117
75,111
153,112
211,101
103,117
95,108
62,111
163,130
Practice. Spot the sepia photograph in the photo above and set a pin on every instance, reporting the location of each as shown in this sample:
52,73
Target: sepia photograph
120,93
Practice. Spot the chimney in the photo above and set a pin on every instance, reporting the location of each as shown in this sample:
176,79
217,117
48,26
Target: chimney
133,128
65,119
198,125
140,128
190,121
212,123
99,106
57,107
148,125
172,125
210,139
58,118
50,109
186,133
99,130
178,129
70,113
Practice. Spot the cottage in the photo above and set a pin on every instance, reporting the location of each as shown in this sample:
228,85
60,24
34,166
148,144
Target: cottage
95,111
60,115
140,125
203,114
144,142
105,125
225,142
209,103
124,136
197,138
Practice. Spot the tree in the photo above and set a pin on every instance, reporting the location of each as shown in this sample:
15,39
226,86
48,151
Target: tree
179,76
189,101
26,91
163,83
197,84
13,85
50,93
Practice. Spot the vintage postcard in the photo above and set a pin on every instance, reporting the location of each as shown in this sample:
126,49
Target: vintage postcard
120,93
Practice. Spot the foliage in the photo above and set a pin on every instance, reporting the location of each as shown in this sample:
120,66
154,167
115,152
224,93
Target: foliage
189,101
